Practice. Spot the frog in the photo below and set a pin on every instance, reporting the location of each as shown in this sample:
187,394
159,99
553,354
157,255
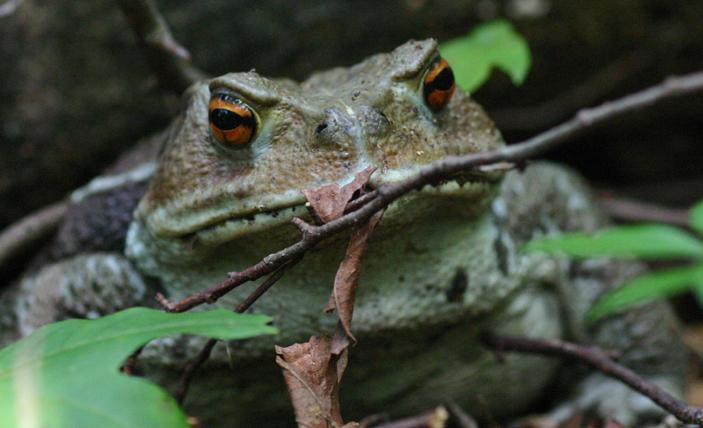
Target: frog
218,189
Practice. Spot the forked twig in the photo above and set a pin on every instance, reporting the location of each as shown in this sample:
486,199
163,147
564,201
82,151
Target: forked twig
20,236
436,418
204,354
168,59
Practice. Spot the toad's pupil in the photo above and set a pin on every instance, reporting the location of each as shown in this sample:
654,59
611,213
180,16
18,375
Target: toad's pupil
438,85
225,119
444,80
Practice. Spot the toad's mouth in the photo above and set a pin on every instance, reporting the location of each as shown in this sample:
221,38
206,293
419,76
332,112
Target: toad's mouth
227,223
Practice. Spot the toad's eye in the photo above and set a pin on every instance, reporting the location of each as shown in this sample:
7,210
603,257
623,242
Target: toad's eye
232,122
438,85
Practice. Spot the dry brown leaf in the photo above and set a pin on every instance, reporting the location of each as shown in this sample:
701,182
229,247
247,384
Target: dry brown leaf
345,281
329,201
313,370
312,374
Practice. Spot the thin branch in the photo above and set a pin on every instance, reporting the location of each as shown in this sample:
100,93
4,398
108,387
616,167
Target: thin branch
20,236
359,202
264,287
436,418
461,417
130,365
593,88
632,210
168,59
204,354
443,169
191,368
601,361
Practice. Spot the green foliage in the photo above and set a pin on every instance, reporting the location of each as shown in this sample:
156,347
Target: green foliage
66,374
696,217
493,44
649,241
652,241
646,288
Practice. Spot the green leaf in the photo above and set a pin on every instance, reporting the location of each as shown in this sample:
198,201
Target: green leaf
649,241
493,44
66,374
646,288
696,217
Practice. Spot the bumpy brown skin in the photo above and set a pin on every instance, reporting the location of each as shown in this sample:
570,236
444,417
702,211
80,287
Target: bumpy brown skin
443,264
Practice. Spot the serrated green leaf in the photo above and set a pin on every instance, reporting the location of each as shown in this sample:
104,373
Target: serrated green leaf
493,44
696,217
649,241
66,374
646,288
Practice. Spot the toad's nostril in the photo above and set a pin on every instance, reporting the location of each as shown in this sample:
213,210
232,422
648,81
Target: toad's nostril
321,127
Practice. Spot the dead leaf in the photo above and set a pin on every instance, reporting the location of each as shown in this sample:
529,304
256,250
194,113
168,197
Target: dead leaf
313,370
347,278
340,343
312,374
328,201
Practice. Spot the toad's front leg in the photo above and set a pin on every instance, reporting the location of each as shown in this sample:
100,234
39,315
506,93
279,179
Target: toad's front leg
84,286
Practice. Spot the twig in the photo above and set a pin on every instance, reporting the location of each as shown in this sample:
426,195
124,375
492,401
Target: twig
462,419
436,418
130,365
21,235
204,354
442,169
631,210
601,361
592,89
191,368
264,287
359,202
169,60
373,420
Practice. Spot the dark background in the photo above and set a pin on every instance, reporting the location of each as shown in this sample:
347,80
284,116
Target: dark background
75,89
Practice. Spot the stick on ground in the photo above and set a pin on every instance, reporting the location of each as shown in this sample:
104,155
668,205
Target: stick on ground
169,60
600,360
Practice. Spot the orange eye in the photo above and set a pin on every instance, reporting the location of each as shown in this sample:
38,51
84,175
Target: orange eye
438,85
232,122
